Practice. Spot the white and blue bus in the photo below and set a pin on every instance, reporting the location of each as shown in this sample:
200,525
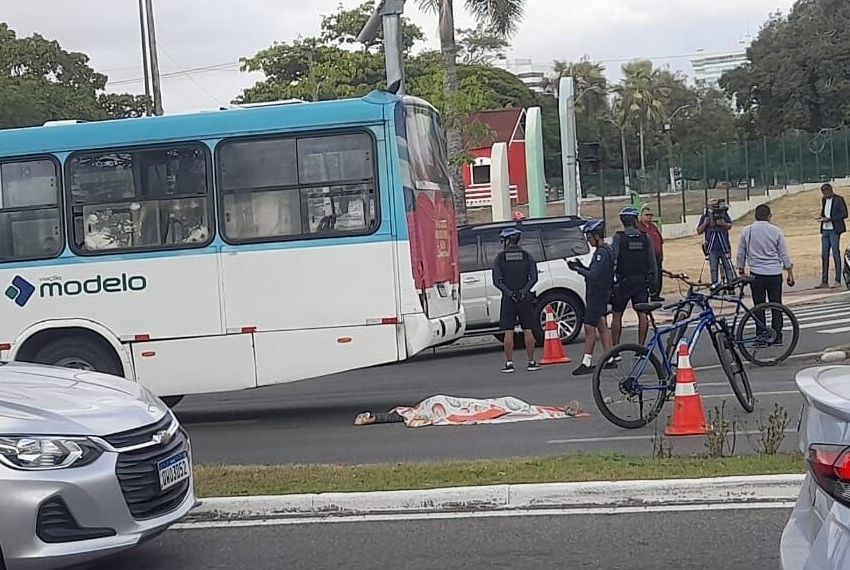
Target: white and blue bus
230,249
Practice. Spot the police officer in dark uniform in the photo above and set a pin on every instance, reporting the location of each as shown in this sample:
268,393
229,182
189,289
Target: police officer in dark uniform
599,279
515,275
635,273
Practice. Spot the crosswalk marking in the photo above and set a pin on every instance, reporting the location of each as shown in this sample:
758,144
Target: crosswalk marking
825,318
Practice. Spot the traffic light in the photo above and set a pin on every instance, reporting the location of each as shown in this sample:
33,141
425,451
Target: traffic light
590,155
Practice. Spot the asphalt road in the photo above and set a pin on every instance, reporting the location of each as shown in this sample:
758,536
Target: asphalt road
311,421
660,541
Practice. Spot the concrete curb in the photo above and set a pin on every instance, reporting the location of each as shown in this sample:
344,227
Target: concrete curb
833,356
598,494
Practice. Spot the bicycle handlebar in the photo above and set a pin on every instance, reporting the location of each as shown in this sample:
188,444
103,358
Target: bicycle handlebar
683,277
739,281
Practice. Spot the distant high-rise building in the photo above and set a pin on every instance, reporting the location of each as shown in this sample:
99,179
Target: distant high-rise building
532,75
710,67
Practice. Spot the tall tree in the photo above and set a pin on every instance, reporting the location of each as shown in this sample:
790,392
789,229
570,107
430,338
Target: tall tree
481,46
500,17
644,98
591,93
798,75
326,67
39,82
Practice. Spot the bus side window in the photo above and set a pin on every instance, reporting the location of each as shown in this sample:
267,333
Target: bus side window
30,218
285,188
140,199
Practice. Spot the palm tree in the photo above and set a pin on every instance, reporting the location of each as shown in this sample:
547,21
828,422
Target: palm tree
499,16
591,85
644,97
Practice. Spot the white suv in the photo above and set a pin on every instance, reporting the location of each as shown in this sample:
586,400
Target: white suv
551,241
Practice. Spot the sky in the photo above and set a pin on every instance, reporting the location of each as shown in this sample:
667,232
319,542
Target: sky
214,34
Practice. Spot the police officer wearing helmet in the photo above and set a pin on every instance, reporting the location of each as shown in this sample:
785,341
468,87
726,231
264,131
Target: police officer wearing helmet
515,275
635,272
599,278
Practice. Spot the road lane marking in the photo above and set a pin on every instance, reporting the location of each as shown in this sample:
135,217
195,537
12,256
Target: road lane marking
792,357
634,437
741,506
836,331
777,393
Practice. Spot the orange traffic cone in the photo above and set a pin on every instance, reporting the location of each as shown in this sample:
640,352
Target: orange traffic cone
688,414
553,350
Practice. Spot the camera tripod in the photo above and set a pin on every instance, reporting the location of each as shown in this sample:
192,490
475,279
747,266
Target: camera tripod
724,260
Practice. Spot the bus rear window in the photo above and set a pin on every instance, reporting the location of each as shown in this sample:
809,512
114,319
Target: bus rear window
426,149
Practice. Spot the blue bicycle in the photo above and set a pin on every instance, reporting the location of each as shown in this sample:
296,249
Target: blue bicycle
631,382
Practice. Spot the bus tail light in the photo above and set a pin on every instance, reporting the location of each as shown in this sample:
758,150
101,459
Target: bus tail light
249,330
830,466
5,346
142,337
383,321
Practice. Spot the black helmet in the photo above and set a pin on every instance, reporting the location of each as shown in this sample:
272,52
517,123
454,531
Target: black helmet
594,227
510,235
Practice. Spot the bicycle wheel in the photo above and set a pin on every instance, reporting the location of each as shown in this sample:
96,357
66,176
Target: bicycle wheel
637,384
733,367
757,337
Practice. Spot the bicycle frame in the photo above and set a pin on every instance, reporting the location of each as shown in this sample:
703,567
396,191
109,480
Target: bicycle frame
704,320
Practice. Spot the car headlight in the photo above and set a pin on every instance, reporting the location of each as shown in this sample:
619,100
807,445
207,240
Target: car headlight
38,453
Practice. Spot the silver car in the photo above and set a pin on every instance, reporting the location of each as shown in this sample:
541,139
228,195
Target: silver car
90,465
818,535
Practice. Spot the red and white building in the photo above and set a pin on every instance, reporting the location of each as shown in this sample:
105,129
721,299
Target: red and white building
508,128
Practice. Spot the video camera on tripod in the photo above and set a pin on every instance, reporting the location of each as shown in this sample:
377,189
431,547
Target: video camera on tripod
717,211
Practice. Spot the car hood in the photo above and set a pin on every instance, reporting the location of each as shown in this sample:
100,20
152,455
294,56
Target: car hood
44,400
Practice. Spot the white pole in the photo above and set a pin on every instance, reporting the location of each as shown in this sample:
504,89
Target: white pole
567,109
500,185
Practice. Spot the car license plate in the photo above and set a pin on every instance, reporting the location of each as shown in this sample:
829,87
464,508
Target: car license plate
173,470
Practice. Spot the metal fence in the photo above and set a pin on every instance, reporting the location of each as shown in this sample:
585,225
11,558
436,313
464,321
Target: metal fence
732,171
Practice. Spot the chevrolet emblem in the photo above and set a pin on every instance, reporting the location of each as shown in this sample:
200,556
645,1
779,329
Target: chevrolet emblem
163,437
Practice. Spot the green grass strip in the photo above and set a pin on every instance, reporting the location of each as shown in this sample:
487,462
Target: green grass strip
237,480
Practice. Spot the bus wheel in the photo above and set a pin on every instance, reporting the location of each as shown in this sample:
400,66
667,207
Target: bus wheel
171,401
80,353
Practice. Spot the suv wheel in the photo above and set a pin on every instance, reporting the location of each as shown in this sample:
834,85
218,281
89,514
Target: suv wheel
568,314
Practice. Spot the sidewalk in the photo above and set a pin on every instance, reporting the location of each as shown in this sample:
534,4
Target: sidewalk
598,496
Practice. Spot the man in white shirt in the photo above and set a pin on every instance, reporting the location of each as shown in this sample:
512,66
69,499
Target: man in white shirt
832,225
762,248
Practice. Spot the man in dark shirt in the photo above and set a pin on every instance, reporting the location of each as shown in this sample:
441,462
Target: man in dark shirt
832,224
599,278
636,273
515,275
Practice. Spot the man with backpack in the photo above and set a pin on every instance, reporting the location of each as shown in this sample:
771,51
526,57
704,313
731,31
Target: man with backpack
515,275
635,272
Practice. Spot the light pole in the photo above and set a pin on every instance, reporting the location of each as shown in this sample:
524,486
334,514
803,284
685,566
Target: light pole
145,66
149,47
668,130
626,177
387,16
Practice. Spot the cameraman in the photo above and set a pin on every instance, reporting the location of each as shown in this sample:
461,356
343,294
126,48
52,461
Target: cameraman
715,224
